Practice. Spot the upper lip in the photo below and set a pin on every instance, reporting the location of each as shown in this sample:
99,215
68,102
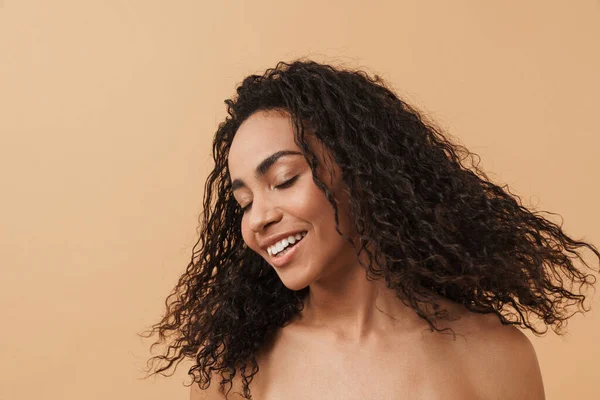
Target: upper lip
271,240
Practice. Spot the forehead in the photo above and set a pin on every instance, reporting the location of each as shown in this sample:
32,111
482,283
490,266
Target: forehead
259,136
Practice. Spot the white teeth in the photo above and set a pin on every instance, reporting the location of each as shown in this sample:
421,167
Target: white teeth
282,244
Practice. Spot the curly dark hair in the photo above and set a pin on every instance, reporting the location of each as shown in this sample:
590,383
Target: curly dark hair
440,228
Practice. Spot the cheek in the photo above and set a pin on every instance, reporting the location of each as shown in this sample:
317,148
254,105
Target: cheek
326,222
248,235
310,206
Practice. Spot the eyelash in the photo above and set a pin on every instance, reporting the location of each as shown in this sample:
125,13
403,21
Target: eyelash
284,185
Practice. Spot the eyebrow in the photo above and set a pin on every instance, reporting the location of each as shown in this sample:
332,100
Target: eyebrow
263,167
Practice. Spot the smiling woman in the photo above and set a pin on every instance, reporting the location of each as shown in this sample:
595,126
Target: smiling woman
344,247
280,200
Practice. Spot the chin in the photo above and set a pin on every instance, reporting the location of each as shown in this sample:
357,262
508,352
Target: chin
294,281
295,284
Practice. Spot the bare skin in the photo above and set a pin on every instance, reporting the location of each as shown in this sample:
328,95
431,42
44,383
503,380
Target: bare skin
486,361
305,363
355,339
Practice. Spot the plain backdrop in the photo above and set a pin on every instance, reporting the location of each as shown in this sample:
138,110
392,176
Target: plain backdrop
107,113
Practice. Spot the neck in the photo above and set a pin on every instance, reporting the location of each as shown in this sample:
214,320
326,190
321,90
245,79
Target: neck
350,308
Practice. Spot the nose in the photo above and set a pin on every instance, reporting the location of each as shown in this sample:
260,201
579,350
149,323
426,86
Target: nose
262,214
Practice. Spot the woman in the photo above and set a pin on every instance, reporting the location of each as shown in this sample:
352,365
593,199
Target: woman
347,253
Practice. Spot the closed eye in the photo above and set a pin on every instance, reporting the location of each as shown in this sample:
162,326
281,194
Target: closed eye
284,185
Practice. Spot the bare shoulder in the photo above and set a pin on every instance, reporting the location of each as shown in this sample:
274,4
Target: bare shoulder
502,361
213,392
198,394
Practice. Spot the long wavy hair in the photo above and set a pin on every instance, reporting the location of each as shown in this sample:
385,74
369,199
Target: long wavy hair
438,227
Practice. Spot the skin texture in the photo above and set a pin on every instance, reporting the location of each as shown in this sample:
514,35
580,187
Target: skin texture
489,362
419,293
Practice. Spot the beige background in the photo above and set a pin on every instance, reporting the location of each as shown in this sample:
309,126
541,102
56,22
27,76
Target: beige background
107,111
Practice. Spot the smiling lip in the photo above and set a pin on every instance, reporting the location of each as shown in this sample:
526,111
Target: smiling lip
286,258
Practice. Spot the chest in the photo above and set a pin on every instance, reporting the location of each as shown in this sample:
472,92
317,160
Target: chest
386,371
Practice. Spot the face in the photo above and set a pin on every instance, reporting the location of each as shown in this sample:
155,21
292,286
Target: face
284,199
